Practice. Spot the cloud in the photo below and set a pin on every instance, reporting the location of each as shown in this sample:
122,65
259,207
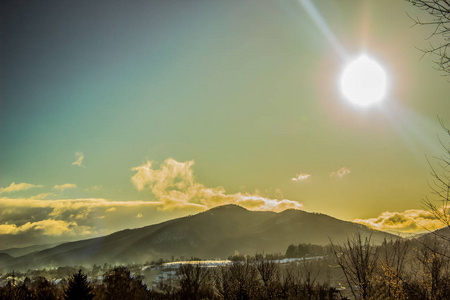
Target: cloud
15,187
47,227
79,156
42,196
27,221
39,220
62,187
300,177
174,185
341,172
93,188
409,221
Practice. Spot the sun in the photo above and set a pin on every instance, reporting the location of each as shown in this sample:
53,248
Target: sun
363,81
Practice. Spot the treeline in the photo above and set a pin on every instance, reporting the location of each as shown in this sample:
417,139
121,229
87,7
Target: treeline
249,278
397,269
118,283
302,250
255,278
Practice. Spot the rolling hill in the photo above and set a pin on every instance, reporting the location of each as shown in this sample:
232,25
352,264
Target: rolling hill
443,233
16,252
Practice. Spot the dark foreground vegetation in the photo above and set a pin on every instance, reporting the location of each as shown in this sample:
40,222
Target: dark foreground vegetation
397,269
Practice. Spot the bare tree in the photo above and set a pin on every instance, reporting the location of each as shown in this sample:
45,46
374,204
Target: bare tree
193,281
237,281
292,281
432,271
119,283
358,260
391,277
439,203
269,273
439,20
289,282
311,276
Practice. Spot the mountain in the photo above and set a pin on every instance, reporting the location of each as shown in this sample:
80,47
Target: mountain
443,233
5,258
16,252
215,233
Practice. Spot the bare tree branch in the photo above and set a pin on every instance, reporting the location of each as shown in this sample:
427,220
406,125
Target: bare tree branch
439,21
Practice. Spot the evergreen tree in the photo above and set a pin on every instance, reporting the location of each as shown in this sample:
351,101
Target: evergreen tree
44,289
79,288
121,284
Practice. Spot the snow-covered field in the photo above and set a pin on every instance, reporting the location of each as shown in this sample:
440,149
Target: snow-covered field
203,263
219,263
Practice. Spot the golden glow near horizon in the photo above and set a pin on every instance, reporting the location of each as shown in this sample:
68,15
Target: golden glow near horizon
255,94
363,81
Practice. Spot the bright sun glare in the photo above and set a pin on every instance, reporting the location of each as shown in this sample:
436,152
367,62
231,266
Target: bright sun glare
364,81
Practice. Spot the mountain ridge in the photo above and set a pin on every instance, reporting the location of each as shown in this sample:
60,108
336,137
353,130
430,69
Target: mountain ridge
215,233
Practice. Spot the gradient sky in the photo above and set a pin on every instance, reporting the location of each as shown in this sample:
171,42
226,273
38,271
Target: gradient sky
118,114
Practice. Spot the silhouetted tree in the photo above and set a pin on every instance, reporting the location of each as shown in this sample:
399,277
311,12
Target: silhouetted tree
24,290
193,281
310,276
120,284
439,205
292,251
391,277
432,271
79,288
358,260
269,273
44,289
292,281
439,20
237,281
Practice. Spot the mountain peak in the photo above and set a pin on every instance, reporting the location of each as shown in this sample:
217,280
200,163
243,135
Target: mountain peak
228,207
217,232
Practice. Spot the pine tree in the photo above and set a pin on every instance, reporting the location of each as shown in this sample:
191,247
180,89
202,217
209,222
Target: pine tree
79,288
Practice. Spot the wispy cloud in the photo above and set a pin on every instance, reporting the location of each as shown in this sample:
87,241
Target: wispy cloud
174,185
110,209
341,172
15,187
409,221
65,186
42,196
25,221
79,156
47,227
93,188
300,177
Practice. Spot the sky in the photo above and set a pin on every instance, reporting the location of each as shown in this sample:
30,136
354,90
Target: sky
118,114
